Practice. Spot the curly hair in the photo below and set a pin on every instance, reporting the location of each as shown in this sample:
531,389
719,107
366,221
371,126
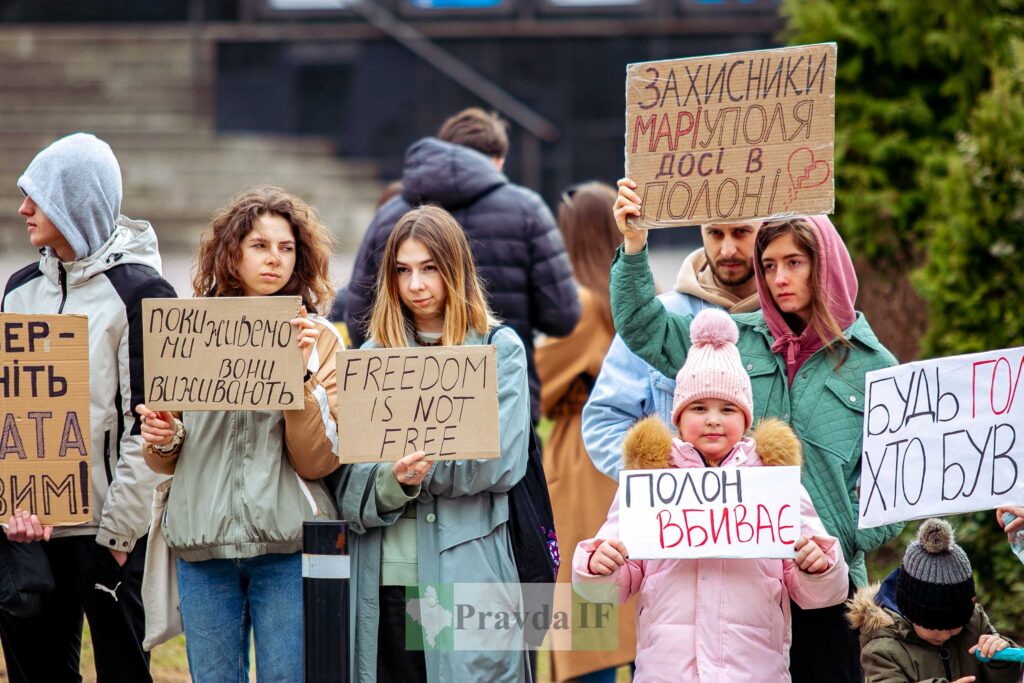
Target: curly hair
215,272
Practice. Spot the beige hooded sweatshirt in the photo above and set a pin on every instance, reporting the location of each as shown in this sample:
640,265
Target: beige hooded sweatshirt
695,277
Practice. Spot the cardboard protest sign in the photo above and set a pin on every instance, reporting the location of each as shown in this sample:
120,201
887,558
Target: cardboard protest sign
45,451
710,512
222,353
732,137
943,436
441,399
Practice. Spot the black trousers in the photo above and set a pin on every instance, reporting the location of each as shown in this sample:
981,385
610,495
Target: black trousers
396,663
826,649
46,648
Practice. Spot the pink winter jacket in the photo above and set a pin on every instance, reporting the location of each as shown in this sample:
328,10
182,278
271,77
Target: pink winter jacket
714,620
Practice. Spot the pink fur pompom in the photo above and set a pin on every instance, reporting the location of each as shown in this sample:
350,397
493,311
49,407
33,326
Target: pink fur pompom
713,327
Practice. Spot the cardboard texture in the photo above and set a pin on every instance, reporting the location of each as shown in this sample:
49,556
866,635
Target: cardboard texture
733,137
710,512
222,353
441,399
45,447
942,436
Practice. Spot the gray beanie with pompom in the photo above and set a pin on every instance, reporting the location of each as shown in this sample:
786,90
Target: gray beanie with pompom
936,586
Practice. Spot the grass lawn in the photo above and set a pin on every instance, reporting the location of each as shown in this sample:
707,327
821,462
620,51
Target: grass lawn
168,662
170,666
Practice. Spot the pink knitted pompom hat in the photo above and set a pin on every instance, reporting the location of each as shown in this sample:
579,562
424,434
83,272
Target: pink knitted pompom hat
713,368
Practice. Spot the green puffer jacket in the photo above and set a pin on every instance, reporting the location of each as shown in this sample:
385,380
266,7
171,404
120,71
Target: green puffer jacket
824,406
892,652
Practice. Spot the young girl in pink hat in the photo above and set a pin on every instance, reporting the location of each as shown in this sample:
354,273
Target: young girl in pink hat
712,619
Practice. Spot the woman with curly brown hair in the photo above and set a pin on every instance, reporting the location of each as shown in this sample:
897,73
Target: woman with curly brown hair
246,481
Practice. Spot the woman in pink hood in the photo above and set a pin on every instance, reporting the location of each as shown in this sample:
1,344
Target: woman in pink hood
807,352
714,620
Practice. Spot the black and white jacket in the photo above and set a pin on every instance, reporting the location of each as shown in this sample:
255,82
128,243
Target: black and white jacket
108,287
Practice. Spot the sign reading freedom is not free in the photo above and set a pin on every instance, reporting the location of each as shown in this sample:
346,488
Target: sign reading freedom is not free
710,512
732,137
943,436
45,440
222,353
442,400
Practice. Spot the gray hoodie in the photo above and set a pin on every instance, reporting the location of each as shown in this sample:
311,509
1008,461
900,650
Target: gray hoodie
76,181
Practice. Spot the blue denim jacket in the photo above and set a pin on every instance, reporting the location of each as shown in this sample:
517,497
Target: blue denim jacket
627,390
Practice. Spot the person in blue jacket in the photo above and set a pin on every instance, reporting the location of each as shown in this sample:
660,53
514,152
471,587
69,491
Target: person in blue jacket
720,275
418,524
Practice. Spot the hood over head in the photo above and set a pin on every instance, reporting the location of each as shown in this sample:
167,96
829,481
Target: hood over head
450,175
76,182
837,282
133,242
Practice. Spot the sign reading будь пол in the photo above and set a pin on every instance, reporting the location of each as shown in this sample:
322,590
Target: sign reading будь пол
732,137
44,445
943,436
441,399
222,353
710,512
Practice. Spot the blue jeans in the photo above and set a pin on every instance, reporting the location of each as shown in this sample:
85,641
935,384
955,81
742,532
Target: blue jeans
221,599
603,676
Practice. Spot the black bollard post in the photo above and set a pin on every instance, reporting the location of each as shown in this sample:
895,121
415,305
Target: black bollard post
325,602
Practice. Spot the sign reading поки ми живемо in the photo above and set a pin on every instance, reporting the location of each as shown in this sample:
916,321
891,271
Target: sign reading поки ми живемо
45,447
222,353
732,137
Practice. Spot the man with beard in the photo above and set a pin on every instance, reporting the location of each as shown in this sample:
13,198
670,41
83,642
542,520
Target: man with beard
721,275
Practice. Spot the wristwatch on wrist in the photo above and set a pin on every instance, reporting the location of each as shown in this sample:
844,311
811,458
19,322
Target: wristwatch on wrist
179,434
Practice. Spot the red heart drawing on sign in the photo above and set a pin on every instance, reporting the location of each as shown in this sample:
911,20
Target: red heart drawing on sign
805,171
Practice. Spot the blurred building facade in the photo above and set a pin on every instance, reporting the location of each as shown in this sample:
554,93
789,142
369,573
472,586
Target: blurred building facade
202,97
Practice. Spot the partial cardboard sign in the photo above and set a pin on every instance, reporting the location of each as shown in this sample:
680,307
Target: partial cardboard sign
222,353
733,137
943,436
710,512
439,399
45,447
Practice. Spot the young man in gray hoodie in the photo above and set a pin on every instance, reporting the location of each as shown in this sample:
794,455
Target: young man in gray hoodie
97,263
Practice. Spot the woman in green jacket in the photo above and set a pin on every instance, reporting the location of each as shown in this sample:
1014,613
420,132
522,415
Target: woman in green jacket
806,351
430,545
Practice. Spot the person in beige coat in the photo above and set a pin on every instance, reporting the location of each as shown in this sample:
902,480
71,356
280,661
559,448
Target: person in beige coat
568,366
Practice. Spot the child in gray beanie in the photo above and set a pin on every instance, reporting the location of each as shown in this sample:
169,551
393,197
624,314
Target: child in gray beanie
924,623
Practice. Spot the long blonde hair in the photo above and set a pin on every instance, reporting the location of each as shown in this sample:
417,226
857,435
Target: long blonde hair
465,303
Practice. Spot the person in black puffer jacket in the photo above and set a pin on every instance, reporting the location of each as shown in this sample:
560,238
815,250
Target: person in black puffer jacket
519,252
